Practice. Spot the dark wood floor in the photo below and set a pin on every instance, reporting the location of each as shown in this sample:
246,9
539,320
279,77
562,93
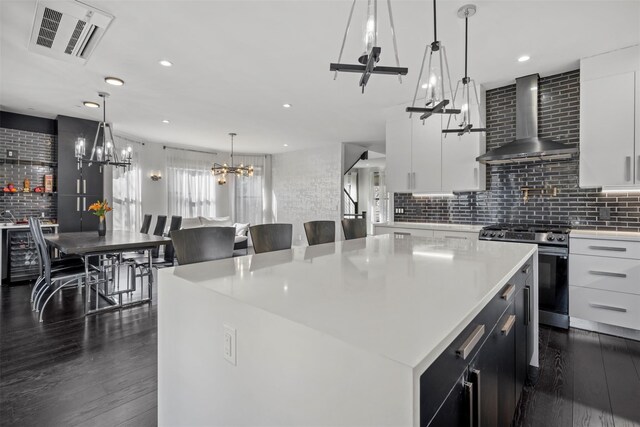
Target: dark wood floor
102,370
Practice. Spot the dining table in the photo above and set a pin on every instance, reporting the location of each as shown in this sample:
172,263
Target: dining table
107,249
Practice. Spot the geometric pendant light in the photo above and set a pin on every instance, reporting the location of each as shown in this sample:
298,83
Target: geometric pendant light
466,87
435,80
371,51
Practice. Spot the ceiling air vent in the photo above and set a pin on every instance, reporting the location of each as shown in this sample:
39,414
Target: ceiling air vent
67,30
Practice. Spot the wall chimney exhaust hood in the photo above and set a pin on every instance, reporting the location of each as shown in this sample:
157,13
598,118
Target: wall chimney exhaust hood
527,146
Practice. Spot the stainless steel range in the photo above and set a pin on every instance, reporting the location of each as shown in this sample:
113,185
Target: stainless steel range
553,265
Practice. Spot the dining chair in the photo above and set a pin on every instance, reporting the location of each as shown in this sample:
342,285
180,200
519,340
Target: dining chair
54,279
354,228
146,224
169,250
161,223
319,232
202,244
271,237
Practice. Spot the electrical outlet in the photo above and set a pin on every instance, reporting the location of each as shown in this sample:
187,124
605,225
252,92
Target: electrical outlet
11,153
230,345
399,210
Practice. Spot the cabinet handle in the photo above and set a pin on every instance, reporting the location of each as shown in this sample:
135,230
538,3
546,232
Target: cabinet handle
506,328
508,292
526,268
408,180
78,186
84,204
476,178
477,397
468,388
84,186
607,273
77,204
638,170
608,248
400,233
627,168
608,307
455,237
527,305
470,343
413,180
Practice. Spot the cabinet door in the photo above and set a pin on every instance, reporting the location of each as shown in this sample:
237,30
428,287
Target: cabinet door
398,142
523,319
483,374
426,159
69,213
607,131
68,174
506,355
457,409
92,182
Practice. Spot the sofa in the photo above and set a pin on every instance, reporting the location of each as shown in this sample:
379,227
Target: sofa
242,230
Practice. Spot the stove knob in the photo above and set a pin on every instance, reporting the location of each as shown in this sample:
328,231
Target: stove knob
493,234
501,235
560,238
484,234
551,237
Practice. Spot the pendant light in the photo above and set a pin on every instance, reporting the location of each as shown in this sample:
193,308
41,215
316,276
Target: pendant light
435,80
104,151
465,119
371,51
222,170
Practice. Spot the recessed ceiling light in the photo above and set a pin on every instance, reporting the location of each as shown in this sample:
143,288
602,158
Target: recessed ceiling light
524,58
114,81
285,145
165,63
165,121
91,104
286,105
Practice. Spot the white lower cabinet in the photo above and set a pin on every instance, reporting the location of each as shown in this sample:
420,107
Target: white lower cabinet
411,231
604,282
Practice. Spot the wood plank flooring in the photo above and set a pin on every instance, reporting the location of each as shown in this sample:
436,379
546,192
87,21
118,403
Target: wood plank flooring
102,370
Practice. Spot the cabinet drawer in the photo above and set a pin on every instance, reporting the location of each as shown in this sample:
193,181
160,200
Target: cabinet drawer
606,248
608,274
612,308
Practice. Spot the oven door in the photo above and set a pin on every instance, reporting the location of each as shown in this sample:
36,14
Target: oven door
553,283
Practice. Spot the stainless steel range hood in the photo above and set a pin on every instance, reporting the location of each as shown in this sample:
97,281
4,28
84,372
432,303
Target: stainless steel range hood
527,146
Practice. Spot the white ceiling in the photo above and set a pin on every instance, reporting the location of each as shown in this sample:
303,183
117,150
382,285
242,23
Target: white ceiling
236,62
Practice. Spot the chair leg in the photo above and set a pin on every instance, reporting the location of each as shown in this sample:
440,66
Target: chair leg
35,288
39,295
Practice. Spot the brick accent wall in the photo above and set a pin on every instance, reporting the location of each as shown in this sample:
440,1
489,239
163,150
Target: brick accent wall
30,146
558,117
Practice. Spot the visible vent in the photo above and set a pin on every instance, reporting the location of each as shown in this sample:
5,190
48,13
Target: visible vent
49,27
75,36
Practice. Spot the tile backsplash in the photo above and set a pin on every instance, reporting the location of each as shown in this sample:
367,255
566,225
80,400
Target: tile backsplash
29,146
503,201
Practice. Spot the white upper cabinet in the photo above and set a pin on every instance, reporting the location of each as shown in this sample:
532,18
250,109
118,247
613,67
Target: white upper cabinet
609,119
421,160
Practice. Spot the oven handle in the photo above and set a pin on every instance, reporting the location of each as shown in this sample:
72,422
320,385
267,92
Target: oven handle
553,251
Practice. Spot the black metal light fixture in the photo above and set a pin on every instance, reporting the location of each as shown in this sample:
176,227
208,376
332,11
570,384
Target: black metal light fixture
104,151
371,51
222,170
433,81
464,85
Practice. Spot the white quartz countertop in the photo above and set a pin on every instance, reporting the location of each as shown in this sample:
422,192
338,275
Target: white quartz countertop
433,226
21,226
405,298
605,234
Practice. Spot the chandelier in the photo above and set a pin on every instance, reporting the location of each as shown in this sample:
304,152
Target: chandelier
221,171
371,51
464,119
436,81
104,150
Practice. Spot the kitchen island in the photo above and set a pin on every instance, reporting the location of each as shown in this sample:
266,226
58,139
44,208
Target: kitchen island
336,334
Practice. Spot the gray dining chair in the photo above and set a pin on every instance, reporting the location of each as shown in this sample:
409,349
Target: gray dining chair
203,244
319,232
354,228
146,224
161,222
271,237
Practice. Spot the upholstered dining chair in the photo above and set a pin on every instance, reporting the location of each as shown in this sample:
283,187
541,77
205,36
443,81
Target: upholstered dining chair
271,237
146,224
161,222
354,228
319,232
203,244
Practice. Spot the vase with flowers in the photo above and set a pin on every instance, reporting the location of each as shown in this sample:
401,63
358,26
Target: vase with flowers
100,209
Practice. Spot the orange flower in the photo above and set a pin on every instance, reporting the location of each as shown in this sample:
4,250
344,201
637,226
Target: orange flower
100,208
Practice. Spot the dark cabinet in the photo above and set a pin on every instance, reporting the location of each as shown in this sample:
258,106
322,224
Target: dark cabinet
483,374
523,319
77,187
505,355
457,409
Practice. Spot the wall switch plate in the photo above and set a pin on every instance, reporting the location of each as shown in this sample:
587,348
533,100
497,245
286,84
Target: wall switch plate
11,153
230,344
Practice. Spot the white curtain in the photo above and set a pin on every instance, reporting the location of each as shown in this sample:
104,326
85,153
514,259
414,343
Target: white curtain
250,194
192,189
127,189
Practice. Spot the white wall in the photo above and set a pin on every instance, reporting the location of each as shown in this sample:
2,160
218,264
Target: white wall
307,186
